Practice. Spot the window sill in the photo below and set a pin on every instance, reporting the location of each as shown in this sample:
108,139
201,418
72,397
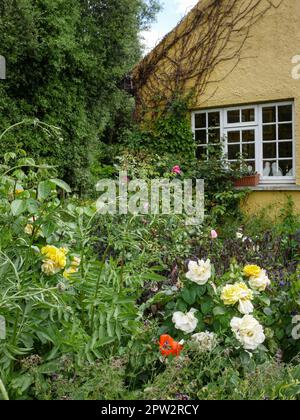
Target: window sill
272,187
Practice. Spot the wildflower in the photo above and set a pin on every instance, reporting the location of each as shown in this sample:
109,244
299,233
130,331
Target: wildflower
50,268
57,255
185,322
252,270
176,170
206,341
55,259
239,235
76,262
214,234
19,190
238,293
260,282
29,229
199,272
61,287
168,346
248,332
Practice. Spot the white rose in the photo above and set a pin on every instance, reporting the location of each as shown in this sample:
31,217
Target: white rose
248,332
260,282
199,272
245,307
206,341
185,322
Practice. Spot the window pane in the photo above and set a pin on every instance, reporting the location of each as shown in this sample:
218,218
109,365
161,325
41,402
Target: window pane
285,131
286,167
214,135
269,166
269,114
248,115
285,113
233,116
200,136
269,150
248,135
233,136
200,120
248,151
269,132
233,151
213,119
286,150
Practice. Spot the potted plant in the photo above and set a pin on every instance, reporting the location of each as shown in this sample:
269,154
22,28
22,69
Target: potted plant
247,177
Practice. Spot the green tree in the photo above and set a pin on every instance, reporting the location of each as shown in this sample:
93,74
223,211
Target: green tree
65,63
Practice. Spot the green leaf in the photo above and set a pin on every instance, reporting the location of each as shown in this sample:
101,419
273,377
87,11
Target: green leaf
61,184
206,307
18,207
268,311
265,300
21,383
189,296
219,310
2,328
32,206
48,228
26,162
201,290
104,341
9,156
44,189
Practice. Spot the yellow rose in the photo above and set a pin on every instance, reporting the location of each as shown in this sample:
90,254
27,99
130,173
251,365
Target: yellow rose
252,270
238,293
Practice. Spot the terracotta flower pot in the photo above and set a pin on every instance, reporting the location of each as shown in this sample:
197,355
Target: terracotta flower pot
247,181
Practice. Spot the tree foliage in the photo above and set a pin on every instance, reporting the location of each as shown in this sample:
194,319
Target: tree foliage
65,63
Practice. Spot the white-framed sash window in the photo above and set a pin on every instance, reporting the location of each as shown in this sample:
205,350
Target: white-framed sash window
263,134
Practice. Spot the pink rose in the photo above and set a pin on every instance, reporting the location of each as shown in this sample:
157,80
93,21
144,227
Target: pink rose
176,170
213,234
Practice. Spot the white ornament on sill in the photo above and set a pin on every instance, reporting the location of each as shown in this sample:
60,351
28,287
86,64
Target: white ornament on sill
275,171
267,169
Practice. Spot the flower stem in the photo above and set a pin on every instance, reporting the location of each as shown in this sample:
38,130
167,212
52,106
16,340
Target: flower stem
3,391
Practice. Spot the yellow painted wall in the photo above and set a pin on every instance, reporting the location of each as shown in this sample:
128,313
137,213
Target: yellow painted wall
264,74
270,201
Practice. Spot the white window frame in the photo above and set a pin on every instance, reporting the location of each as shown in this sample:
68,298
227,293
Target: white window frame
258,125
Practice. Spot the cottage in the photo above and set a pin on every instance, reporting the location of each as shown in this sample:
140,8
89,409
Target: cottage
240,62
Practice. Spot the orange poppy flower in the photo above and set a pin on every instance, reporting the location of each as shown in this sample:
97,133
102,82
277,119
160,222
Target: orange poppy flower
168,346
